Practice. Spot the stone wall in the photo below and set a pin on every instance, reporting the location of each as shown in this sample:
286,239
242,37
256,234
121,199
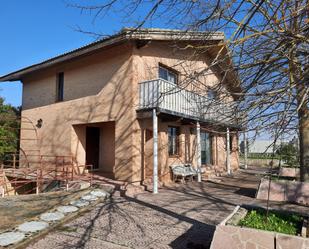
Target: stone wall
234,237
289,172
284,190
261,162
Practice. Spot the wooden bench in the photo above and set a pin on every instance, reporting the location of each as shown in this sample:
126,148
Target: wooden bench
183,171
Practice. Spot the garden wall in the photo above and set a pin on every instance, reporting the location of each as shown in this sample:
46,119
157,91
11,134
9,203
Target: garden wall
234,237
289,172
284,190
261,162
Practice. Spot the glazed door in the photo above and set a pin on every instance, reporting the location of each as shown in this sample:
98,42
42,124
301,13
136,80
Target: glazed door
206,148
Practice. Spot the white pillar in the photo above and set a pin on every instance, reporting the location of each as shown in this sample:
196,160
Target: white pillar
245,150
198,152
228,161
155,151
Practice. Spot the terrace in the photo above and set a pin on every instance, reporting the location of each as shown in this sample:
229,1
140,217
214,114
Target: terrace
169,98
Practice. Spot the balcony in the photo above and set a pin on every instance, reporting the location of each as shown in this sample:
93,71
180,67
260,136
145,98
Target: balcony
171,99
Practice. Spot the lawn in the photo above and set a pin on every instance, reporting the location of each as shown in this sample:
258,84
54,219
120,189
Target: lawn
277,222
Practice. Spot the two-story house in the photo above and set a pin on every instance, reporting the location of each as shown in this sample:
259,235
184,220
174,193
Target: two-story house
126,102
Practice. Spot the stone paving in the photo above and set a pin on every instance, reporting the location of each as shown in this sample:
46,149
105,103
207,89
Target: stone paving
182,216
29,229
14,209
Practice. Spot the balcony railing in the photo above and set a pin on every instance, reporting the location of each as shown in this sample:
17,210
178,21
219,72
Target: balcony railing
172,99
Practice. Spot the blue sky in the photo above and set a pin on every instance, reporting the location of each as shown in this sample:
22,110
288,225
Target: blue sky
34,30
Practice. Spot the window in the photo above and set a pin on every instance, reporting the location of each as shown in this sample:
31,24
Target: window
206,145
231,143
173,141
168,74
60,86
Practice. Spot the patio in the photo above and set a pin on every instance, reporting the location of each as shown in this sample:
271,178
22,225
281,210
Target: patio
182,216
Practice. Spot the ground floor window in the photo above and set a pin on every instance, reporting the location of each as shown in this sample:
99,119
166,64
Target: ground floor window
173,141
206,148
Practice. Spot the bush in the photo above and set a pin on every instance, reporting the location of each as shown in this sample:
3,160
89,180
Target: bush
289,154
277,222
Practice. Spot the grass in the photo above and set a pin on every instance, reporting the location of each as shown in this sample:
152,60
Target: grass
277,222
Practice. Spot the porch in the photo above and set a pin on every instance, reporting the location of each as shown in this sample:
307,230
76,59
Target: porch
166,102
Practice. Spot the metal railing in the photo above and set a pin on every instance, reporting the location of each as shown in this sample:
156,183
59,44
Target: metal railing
167,96
47,170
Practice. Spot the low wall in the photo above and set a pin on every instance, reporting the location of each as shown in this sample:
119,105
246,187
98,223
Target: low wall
284,190
289,172
261,162
234,237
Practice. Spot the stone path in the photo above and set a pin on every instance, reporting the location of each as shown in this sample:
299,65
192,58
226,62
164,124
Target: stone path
29,229
182,216
14,209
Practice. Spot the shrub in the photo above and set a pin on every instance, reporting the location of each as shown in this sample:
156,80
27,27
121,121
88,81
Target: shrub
289,154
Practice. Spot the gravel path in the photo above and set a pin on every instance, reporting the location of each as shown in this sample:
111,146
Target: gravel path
183,216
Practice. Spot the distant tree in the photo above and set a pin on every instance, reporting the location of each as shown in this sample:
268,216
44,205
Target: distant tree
9,129
289,154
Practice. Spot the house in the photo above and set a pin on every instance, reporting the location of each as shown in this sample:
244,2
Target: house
115,102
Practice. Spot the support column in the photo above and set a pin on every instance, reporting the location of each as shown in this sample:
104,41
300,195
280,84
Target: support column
198,152
155,151
245,150
228,160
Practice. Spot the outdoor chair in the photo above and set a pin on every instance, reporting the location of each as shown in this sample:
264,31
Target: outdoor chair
191,172
182,171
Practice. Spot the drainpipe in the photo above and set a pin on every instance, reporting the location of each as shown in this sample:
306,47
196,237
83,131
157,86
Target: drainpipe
228,161
198,152
155,151
245,150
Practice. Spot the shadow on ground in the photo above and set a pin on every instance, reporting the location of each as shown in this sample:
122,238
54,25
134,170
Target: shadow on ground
181,216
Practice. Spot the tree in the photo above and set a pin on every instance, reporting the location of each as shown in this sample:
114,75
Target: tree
289,154
268,43
9,129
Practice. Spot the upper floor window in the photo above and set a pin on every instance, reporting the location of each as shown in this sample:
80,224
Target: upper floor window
168,74
60,86
173,141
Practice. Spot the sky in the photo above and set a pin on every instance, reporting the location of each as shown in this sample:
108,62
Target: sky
35,30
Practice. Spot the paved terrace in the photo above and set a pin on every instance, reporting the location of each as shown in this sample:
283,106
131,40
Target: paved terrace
182,216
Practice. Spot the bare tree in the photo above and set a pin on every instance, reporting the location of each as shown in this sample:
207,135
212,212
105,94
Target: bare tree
268,43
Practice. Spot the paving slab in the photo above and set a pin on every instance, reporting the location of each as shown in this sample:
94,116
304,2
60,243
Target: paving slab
32,226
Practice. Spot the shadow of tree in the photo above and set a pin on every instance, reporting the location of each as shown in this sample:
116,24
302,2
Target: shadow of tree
147,226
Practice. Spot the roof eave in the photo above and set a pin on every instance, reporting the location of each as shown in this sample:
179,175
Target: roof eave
124,35
17,75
